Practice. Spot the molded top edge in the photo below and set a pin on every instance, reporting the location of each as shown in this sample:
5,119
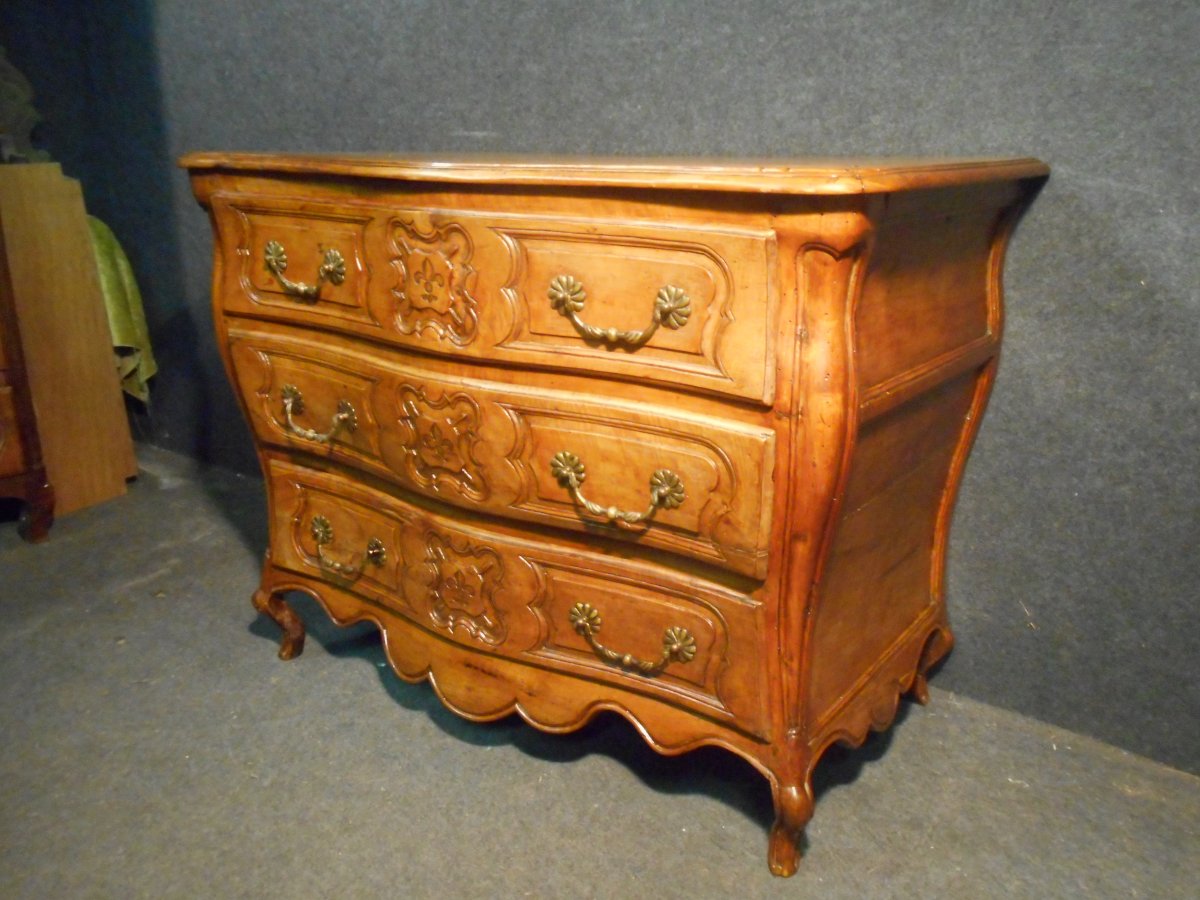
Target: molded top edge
768,176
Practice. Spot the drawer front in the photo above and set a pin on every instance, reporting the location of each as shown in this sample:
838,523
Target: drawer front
703,485
690,643
12,456
684,306
297,262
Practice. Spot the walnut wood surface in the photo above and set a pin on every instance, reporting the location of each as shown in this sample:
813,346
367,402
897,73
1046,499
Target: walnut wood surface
847,324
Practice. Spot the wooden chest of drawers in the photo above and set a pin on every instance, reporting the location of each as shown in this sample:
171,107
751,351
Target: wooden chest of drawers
675,439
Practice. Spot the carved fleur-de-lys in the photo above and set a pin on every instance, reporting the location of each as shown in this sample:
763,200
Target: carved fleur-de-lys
436,444
463,580
438,439
434,281
430,280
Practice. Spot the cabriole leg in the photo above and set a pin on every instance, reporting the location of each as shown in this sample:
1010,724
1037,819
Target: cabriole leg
273,606
793,809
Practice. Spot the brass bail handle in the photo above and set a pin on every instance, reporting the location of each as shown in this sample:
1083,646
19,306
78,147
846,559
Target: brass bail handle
666,490
672,309
332,269
293,405
322,534
678,643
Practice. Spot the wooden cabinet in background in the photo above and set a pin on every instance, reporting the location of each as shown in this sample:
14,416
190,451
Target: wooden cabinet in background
678,440
64,436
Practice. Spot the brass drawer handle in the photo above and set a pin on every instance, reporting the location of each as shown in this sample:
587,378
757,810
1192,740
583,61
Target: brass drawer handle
672,308
332,269
666,490
322,533
293,404
678,643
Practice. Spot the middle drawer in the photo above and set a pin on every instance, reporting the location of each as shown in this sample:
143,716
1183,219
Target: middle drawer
689,484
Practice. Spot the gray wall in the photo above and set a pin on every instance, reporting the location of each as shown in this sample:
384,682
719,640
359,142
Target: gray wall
1073,577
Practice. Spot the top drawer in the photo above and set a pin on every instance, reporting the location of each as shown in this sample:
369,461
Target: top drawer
688,307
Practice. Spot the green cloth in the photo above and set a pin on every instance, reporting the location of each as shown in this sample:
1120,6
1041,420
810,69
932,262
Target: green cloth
126,318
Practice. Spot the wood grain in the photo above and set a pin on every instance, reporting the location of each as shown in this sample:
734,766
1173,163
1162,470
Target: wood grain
489,444
848,318
67,350
472,283
812,177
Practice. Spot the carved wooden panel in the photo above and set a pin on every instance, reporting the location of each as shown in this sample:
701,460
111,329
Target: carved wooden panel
305,233
265,372
351,528
724,504
632,620
463,578
434,281
439,437
724,343
491,446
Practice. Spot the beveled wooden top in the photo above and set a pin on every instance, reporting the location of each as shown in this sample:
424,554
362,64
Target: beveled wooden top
768,176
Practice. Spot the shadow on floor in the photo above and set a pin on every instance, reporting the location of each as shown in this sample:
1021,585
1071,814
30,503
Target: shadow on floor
710,771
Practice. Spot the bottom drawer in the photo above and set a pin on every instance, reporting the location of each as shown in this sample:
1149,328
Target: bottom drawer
492,588
12,456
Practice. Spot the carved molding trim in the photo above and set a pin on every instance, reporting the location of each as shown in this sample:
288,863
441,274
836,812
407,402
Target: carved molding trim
434,281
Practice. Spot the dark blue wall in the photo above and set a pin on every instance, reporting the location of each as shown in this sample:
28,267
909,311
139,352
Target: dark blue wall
1073,570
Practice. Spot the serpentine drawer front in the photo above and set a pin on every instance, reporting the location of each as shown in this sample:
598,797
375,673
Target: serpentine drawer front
540,601
644,474
681,306
679,440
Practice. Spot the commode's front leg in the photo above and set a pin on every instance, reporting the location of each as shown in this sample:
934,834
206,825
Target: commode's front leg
793,809
271,604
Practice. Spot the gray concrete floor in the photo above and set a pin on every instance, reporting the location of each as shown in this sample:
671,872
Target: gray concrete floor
153,746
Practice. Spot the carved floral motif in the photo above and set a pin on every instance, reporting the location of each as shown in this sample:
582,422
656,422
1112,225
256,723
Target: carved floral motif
439,437
463,580
434,283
